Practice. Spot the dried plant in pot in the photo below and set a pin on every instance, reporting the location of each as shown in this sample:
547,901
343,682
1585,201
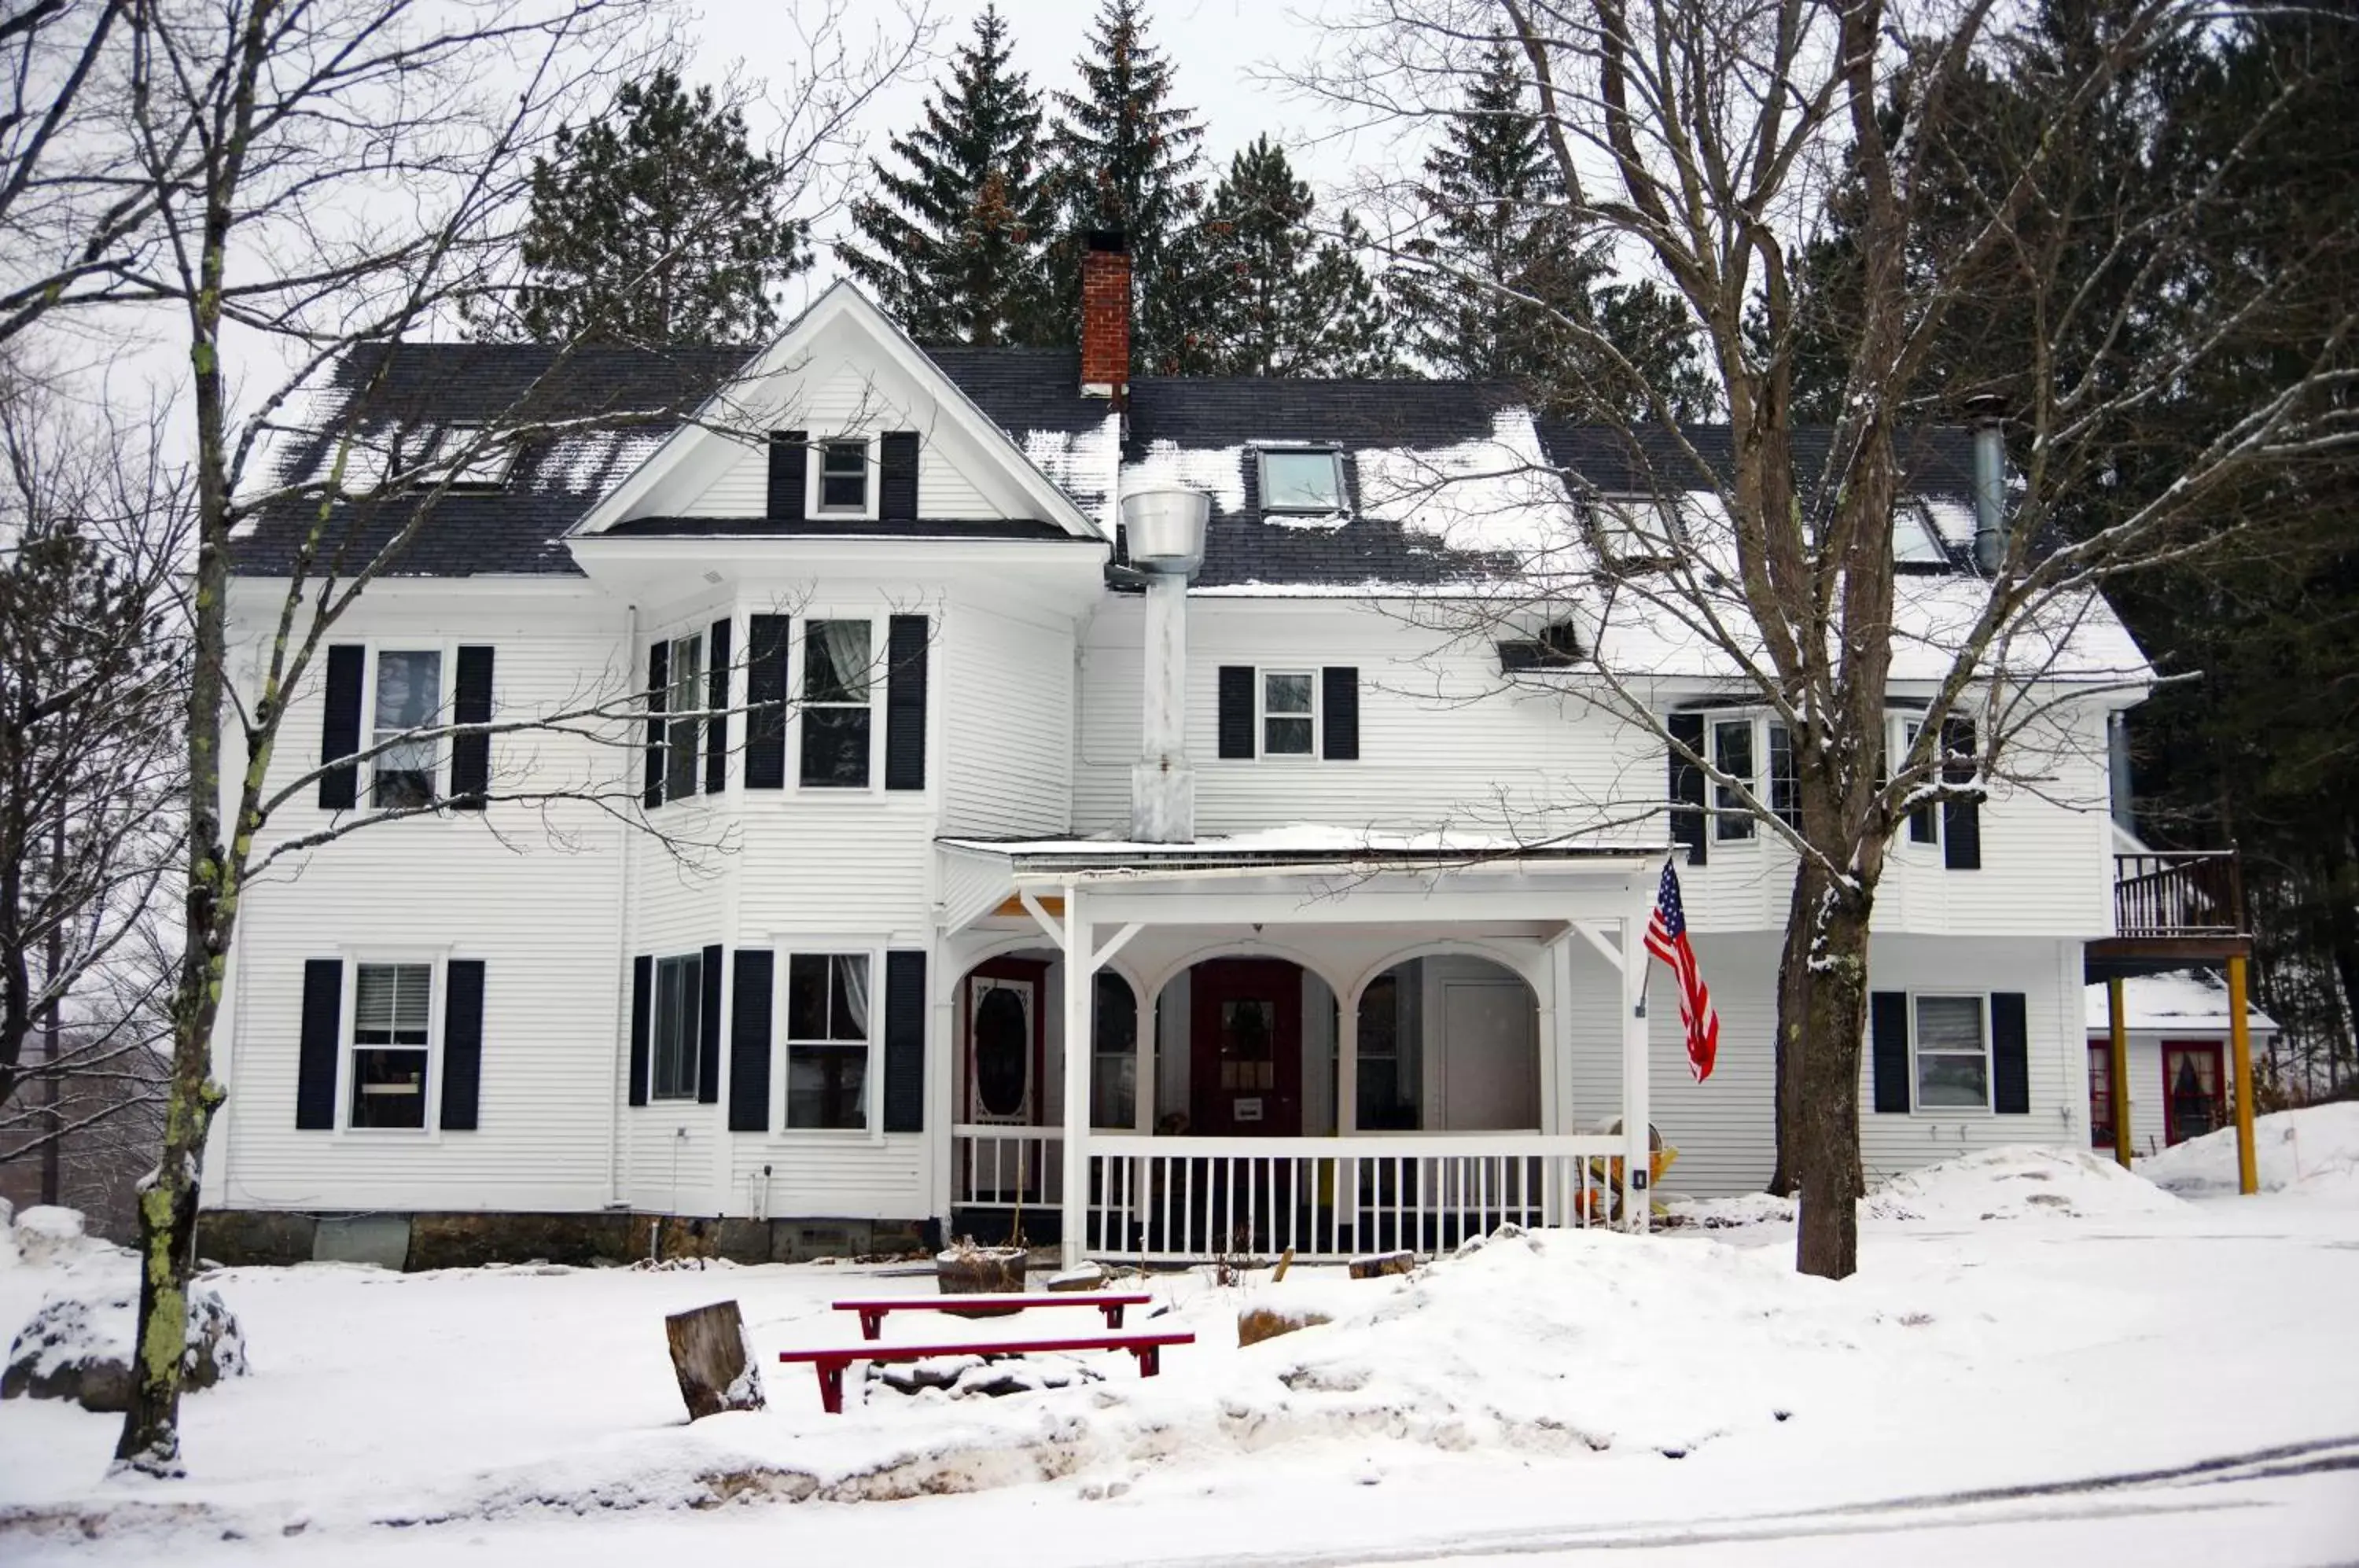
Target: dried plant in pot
966,1269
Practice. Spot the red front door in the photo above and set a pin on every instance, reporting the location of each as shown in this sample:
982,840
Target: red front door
1245,1068
2194,1097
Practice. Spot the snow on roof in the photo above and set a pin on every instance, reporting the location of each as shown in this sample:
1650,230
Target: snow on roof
1217,470
2181,1000
1083,463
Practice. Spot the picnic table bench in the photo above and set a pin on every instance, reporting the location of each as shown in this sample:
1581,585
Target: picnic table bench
1143,1346
872,1309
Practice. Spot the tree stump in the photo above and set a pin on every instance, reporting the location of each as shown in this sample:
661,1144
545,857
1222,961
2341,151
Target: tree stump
713,1363
1382,1264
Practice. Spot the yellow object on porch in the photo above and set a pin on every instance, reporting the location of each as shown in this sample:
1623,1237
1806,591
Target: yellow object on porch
1606,1178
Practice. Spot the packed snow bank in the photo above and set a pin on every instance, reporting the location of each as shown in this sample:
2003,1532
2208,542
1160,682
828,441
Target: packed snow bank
2016,1182
2314,1151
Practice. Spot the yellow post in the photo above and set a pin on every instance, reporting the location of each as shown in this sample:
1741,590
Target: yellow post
2240,1045
2120,1074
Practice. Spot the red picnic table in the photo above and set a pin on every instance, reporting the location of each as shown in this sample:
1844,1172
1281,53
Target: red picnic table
1144,1345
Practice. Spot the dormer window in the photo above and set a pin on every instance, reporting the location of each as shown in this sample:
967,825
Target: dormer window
841,480
1301,479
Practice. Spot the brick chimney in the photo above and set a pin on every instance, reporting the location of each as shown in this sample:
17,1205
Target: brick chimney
1105,315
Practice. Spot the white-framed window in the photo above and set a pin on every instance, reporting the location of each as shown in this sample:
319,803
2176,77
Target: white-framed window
405,693
831,1043
684,737
1950,1059
1290,712
838,710
1301,479
676,1028
1741,746
391,1046
1925,821
843,478
1636,529
1732,754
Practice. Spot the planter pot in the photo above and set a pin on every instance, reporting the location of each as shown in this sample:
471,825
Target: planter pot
981,1271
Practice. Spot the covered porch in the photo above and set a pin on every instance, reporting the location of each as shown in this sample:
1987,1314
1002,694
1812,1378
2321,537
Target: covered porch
1335,1047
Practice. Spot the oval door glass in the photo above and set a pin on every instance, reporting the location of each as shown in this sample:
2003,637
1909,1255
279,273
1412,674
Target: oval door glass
1003,1053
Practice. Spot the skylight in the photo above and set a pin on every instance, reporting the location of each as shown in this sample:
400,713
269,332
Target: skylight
1301,479
1639,528
1914,543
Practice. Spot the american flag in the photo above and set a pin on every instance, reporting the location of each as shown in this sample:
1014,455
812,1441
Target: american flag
1667,939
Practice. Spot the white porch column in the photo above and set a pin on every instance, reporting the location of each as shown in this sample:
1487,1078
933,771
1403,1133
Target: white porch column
1142,1098
1347,1068
1637,1200
1080,981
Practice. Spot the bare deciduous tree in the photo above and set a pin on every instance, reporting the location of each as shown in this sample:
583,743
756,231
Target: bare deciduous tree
1712,141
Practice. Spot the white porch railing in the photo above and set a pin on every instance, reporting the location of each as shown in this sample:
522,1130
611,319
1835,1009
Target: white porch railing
1186,1198
999,1167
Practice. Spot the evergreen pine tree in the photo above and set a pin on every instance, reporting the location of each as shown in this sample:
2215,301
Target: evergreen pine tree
1505,287
1126,158
657,223
956,246
1277,298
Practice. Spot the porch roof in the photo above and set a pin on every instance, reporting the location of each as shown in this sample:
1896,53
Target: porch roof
1301,847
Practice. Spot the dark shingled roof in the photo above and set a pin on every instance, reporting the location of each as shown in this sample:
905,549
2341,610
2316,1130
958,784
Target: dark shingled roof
520,529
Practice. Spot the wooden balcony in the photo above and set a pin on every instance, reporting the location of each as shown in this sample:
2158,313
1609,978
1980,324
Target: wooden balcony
2173,908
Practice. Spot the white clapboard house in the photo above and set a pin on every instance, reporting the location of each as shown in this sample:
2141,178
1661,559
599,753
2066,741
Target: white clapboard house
1280,903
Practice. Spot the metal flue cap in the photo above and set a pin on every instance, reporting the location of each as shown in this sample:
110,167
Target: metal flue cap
1166,530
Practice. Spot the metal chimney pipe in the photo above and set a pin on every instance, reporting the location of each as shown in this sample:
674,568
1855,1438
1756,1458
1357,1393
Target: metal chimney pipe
1165,531
1990,488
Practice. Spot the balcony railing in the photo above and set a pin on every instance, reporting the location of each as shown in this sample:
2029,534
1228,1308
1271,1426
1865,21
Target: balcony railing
2178,893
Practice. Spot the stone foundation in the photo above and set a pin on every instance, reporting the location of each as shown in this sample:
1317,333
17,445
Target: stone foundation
248,1237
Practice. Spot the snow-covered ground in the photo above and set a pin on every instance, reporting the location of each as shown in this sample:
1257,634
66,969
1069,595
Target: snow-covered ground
2043,1359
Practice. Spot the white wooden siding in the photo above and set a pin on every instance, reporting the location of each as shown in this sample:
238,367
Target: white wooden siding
1007,696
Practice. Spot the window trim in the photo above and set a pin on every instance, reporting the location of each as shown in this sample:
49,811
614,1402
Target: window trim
1990,1062
436,959
1761,782
446,697
1335,455
801,706
1262,715
815,475
1923,829
695,639
872,1090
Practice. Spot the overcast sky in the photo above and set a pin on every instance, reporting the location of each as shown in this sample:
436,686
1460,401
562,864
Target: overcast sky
1217,48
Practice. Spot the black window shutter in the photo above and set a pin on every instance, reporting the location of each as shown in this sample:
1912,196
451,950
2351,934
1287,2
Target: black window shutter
905,1041
470,756
2010,1055
789,453
749,1040
658,681
643,994
766,698
708,1034
1236,710
340,728
1339,712
897,477
1887,1034
315,1059
1961,821
905,702
1687,784
463,1042
716,697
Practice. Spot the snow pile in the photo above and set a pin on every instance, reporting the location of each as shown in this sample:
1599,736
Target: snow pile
46,1236
2017,1182
77,1345
2314,1150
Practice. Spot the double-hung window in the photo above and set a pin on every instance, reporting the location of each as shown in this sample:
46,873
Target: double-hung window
409,697
1785,784
827,1040
678,1026
843,479
1953,1054
1732,753
838,685
684,737
1288,721
393,1008
1925,821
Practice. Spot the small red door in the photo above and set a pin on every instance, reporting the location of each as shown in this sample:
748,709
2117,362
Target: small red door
2194,1093
1246,1024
